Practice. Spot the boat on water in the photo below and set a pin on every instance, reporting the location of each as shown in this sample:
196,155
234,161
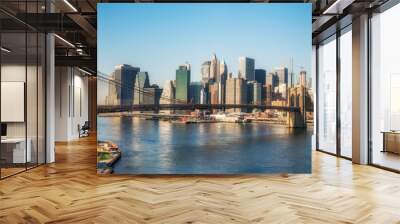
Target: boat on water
107,154
231,118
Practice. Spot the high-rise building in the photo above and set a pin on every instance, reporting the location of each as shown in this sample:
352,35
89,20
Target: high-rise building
282,74
205,71
182,83
203,95
268,94
125,75
223,72
236,93
157,93
249,92
168,93
114,92
221,80
303,79
257,93
149,95
214,67
246,68
214,93
282,89
195,92
272,79
141,82
260,76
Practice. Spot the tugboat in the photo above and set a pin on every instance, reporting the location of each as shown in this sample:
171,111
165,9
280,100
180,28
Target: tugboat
107,154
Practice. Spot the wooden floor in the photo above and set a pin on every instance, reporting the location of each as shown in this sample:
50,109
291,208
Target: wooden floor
70,191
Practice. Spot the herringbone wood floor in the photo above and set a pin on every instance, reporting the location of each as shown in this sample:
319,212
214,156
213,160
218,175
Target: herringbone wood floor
70,191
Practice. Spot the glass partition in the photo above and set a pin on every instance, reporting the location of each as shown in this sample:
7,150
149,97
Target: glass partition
22,77
327,96
385,89
14,154
346,92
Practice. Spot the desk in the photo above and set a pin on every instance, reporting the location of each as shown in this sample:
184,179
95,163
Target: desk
391,141
13,150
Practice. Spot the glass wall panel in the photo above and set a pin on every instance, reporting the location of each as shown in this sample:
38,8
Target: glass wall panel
327,96
41,98
14,154
22,90
385,89
32,88
31,98
346,92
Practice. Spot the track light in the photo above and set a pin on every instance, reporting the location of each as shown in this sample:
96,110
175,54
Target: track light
64,40
70,5
5,50
84,71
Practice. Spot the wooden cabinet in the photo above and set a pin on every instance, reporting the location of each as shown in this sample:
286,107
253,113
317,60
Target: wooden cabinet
391,142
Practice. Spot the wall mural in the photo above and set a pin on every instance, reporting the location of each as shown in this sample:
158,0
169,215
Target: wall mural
204,88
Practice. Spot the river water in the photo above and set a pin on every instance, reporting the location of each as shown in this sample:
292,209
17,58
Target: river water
161,147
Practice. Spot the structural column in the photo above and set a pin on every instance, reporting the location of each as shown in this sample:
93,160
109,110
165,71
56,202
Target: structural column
360,89
50,98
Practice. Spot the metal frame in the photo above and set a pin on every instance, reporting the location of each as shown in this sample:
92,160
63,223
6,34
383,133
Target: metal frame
44,74
338,152
380,9
387,5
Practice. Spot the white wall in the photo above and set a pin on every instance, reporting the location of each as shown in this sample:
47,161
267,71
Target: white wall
71,102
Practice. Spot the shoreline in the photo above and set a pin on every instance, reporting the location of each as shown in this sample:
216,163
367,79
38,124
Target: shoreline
174,118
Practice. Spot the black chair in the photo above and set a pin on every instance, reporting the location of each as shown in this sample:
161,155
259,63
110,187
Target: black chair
84,130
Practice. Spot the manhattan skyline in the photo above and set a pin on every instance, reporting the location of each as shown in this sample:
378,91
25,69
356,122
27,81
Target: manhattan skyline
157,38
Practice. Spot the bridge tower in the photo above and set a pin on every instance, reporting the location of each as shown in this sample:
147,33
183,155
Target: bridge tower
296,98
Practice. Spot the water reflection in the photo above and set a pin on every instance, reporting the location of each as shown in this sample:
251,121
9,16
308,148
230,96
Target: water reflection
164,147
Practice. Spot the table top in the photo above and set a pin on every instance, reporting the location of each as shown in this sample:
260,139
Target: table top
13,140
391,132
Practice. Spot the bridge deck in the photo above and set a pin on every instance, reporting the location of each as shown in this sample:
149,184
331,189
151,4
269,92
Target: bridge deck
154,107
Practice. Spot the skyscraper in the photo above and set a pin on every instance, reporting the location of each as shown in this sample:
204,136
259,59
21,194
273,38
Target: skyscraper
149,95
141,82
282,74
257,91
249,92
260,76
246,68
168,94
214,67
195,92
205,71
182,83
223,72
302,78
268,94
125,75
214,93
272,79
236,93
221,80
203,95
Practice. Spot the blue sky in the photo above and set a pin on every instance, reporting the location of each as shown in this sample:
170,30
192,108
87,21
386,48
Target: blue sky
160,37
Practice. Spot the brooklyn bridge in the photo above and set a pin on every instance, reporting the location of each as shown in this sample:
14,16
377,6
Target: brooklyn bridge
296,109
